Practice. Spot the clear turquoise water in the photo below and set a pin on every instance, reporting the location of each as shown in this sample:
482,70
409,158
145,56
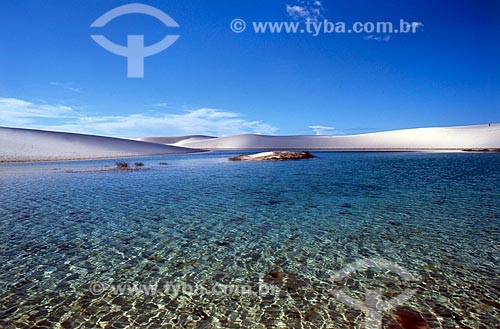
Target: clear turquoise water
202,220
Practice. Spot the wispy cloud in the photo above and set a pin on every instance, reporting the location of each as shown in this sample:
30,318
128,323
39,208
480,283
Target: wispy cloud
322,130
161,105
15,111
305,10
385,38
207,121
67,86
416,25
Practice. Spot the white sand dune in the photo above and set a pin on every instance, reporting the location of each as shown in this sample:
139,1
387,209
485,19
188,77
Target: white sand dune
449,138
175,139
36,145
18,144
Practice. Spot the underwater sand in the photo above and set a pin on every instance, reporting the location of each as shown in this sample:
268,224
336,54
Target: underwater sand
204,221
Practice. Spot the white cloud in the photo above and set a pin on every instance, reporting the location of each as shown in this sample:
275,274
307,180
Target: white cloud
416,25
297,11
322,130
15,111
206,121
378,38
305,10
161,105
67,86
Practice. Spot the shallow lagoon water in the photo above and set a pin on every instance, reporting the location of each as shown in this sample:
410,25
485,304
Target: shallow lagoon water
70,238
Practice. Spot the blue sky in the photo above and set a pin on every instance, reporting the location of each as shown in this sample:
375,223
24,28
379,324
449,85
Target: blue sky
218,82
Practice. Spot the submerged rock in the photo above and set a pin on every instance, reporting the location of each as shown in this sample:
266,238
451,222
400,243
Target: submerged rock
277,275
409,319
273,156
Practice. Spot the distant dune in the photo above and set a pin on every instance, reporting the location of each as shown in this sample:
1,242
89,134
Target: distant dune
175,139
449,138
37,145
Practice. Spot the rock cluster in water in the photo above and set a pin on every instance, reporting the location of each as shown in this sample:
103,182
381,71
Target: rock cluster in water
482,150
273,156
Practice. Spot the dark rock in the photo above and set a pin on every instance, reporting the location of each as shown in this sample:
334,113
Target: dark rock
482,150
393,223
237,220
410,319
21,283
312,313
491,303
388,238
201,314
277,275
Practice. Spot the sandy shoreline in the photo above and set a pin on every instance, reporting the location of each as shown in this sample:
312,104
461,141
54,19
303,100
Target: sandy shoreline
93,158
244,150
